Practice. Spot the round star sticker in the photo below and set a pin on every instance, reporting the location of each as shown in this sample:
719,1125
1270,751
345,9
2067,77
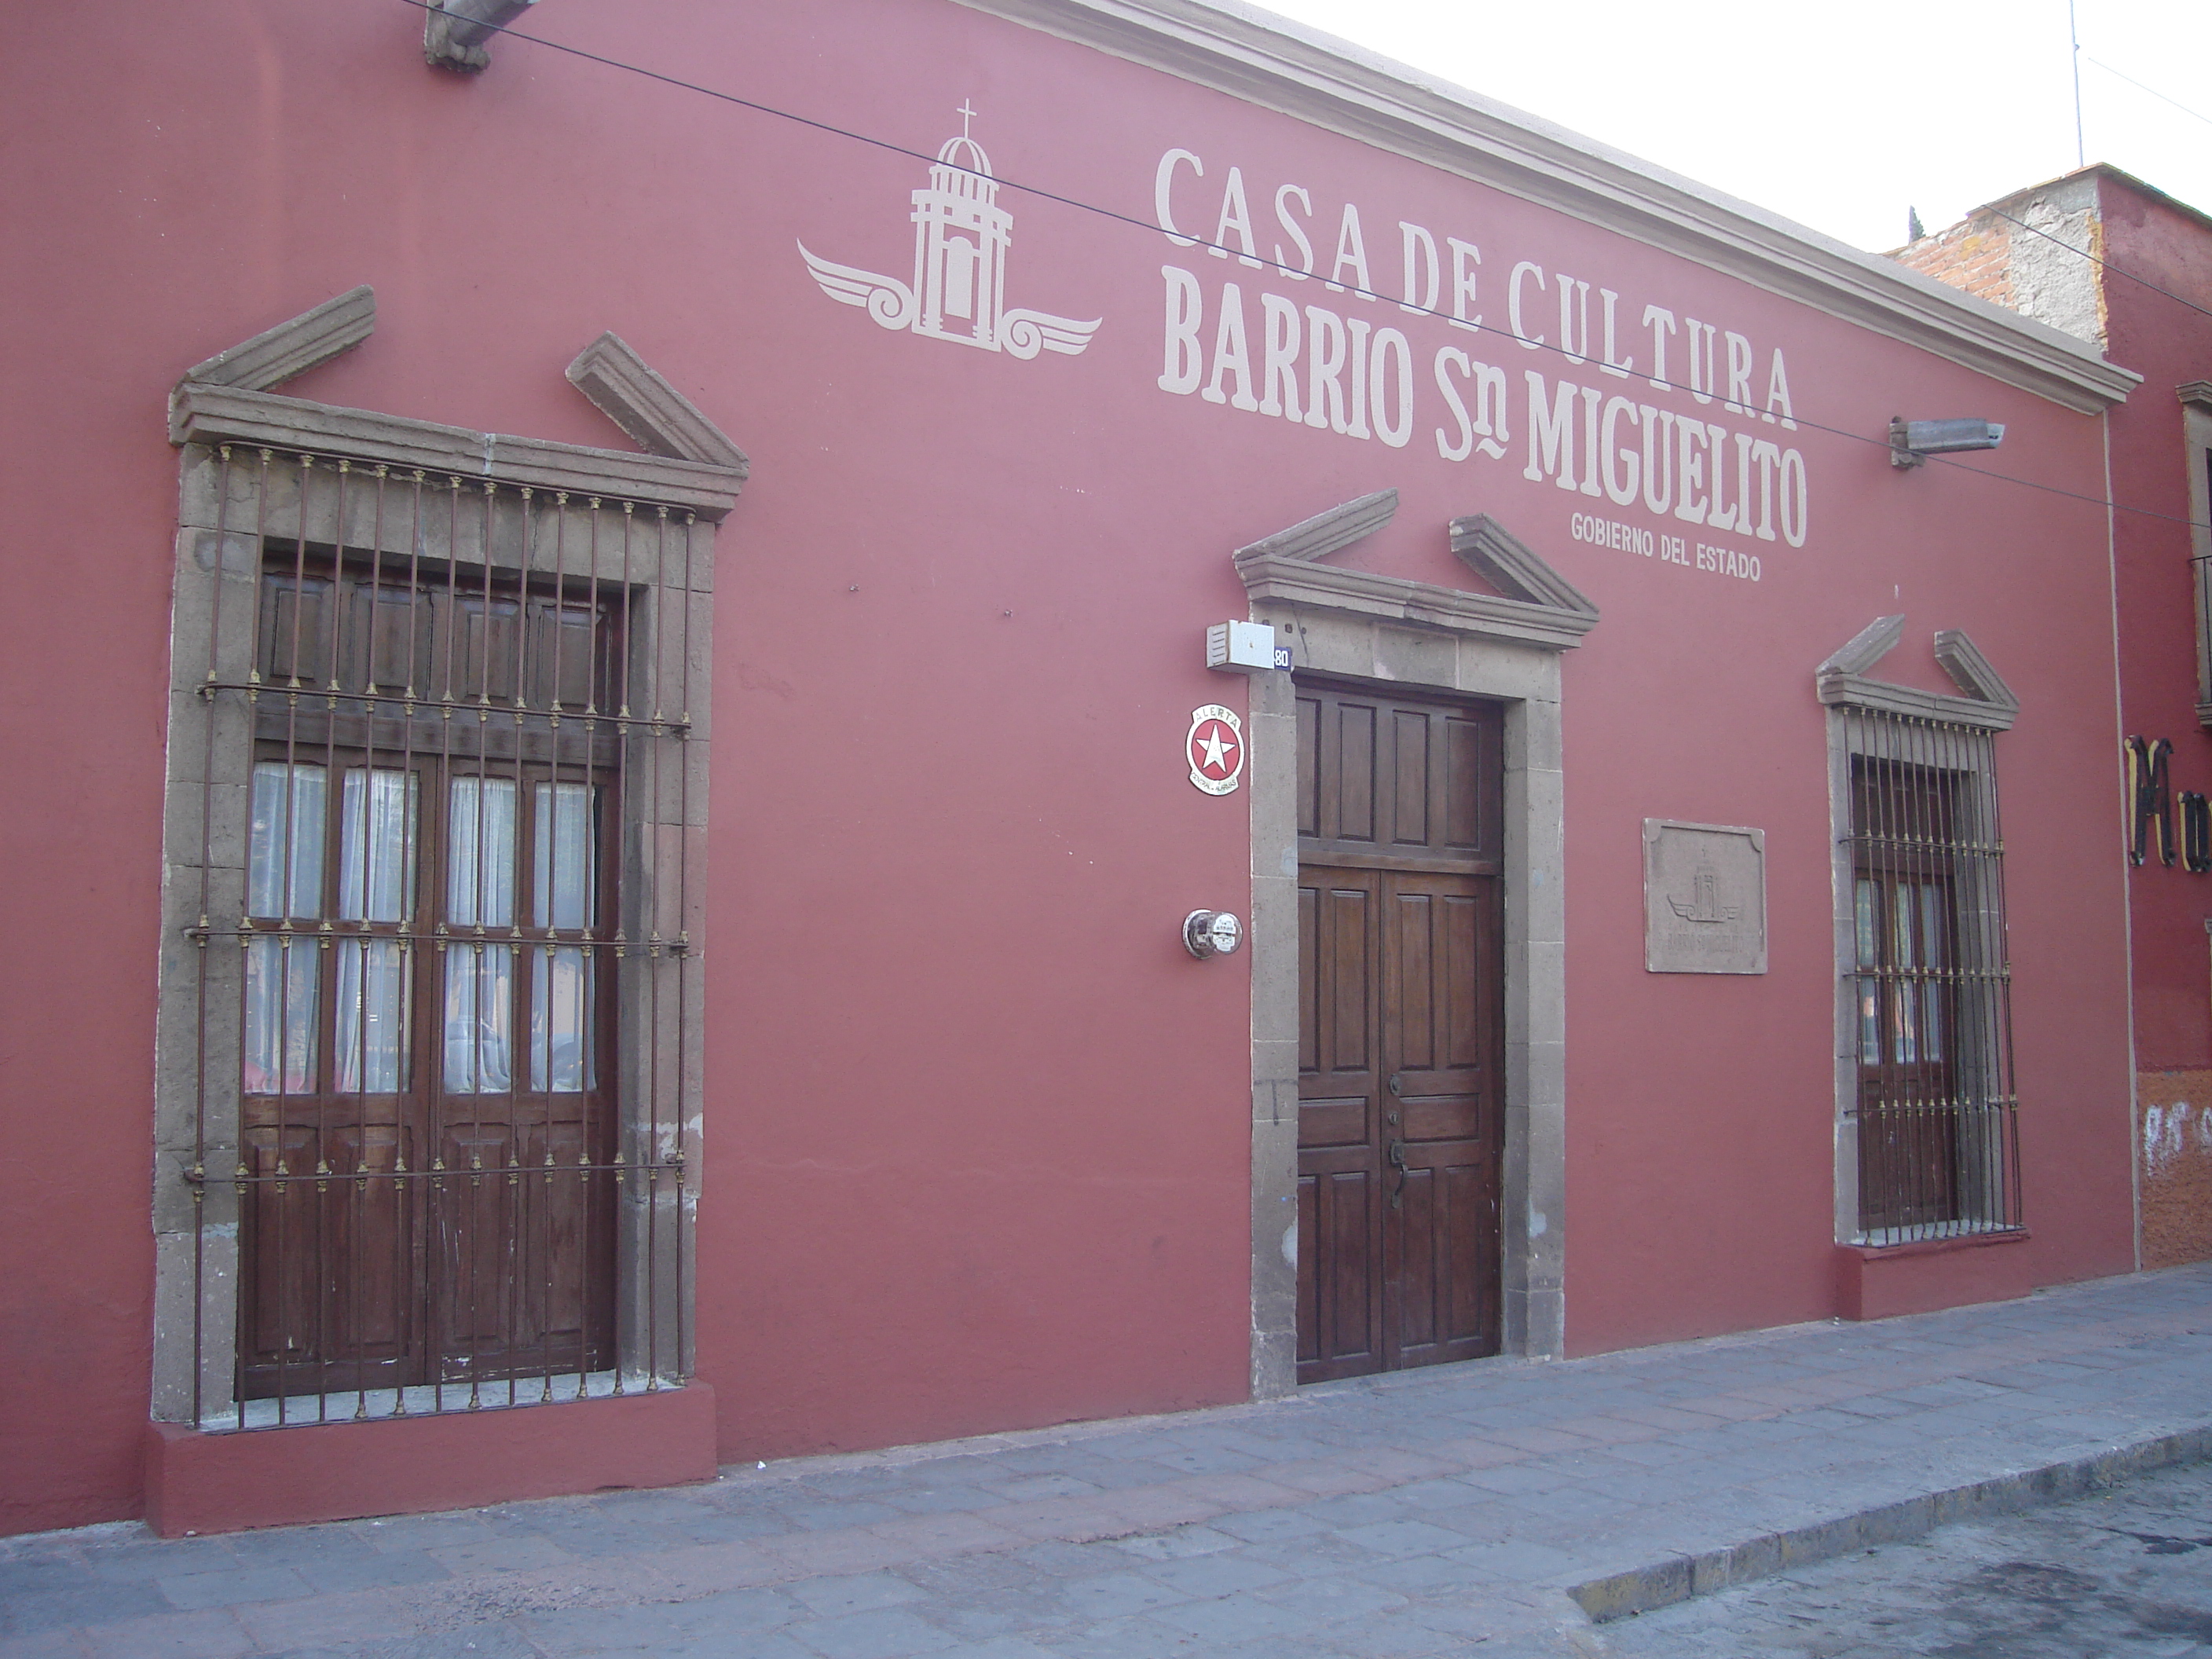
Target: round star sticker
1215,749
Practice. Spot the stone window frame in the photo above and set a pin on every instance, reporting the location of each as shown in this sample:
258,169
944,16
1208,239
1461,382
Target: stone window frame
2196,397
1418,636
1845,687
687,467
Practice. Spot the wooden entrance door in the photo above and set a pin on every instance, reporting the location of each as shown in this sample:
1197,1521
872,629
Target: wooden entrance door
1402,1112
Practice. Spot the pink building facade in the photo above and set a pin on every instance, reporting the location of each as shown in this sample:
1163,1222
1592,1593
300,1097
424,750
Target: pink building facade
618,750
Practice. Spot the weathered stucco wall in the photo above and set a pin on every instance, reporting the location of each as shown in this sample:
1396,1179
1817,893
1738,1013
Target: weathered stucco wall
2174,1127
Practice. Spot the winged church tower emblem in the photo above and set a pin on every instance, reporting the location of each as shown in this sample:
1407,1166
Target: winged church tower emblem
961,235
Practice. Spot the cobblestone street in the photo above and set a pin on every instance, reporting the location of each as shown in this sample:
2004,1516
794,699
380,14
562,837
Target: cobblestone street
1479,1508
2127,1574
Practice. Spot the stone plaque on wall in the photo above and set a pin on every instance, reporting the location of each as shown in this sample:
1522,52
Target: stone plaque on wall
1704,898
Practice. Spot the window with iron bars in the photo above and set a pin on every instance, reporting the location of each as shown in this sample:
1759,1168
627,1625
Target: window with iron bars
430,1033
1928,980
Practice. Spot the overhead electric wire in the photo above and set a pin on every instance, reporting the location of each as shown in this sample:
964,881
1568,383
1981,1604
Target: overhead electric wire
1227,252
2153,91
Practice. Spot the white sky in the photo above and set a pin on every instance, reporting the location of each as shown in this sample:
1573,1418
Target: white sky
1839,117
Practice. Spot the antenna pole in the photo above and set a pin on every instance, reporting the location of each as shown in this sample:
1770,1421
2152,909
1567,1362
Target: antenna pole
2073,35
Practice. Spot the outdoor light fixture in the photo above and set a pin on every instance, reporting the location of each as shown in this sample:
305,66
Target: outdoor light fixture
1911,442
454,31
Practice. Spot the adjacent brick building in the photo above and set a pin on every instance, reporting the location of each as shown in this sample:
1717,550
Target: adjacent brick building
2129,269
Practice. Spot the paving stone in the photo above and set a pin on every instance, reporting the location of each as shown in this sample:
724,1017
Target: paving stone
1396,1538
29,1613
733,1616
1109,1595
1331,1600
324,1620
424,1532
213,1634
510,1554
1134,1636
881,1633
47,1644
941,1499
1178,1543
856,1592
1233,1620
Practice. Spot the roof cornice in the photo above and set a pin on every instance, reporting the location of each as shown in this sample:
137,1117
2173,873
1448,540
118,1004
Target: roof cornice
1272,61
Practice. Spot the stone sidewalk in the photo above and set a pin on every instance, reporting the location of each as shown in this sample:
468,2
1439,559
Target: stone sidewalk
1478,1507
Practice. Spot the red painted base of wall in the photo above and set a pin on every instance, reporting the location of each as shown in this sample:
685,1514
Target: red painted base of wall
204,1483
1881,1283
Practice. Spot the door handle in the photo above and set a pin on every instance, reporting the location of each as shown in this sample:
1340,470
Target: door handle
1398,1156
1397,1085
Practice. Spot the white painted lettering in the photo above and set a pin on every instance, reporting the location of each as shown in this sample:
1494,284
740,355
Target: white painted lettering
1325,369
1739,376
1355,376
1574,294
1658,458
1619,367
1420,247
1465,256
1350,253
1389,344
1701,359
1778,392
1591,396
1719,515
1621,491
1162,183
1661,322
1690,509
1186,310
1768,456
1550,431
1304,268
1231,357
1279,387
1513,302
1487,423
1237,217
1794,498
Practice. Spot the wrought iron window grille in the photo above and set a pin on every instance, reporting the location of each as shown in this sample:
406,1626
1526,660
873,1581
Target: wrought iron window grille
1928,1144
430,1041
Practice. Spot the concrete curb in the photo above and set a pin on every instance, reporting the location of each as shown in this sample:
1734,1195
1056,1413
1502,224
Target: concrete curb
1662,1583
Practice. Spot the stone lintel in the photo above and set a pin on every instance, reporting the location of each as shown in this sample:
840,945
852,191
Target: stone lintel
1326,533
664,422
1857,691
210,414
1489,550
1420,605
1970,669
276,354
1859,653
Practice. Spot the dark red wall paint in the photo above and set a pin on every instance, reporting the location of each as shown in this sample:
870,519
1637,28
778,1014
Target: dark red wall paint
975,1132
2168,343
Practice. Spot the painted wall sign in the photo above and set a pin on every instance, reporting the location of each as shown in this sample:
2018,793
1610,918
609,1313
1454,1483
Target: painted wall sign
1709,449
961,234
1215,749
1704,898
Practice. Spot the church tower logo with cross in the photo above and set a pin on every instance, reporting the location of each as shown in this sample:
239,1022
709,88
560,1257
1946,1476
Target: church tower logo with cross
961,235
